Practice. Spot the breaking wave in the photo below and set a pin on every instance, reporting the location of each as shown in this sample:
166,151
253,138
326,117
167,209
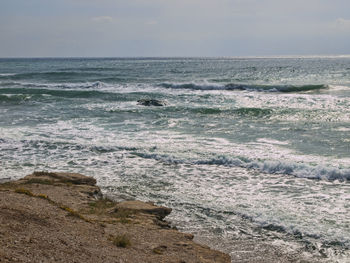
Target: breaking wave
79,85
244,111
13,99
46,75
14,94
300,170
7,74
247,87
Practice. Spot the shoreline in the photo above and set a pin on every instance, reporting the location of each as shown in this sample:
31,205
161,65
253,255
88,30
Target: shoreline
63,217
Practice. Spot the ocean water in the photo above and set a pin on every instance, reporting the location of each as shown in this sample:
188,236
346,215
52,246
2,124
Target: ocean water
244,149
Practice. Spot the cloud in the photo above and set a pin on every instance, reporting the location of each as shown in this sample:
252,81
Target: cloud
182,27
342,23
102,19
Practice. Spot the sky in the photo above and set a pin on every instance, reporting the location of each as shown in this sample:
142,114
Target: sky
148,28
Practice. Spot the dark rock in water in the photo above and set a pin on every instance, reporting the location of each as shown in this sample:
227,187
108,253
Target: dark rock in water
151,102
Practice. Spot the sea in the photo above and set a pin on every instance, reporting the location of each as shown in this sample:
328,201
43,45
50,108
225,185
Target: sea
243,149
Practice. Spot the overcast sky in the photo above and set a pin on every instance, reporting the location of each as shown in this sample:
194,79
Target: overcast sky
55,28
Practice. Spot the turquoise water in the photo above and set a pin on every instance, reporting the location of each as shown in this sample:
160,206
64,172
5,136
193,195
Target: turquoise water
244,148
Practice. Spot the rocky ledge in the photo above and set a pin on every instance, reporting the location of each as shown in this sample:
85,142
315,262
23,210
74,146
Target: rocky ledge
63,217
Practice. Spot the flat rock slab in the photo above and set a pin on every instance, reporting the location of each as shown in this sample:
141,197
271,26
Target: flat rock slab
73,178
141,207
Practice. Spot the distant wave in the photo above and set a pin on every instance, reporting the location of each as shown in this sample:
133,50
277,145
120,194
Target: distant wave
94,90
47,75
90,69
78,85
68,146
272,167
13,99
7,74
98,75
248,87
244,111
14,94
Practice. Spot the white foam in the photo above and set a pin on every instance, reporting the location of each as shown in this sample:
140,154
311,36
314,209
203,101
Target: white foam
268,166
338,87
79,85
7,74
270,141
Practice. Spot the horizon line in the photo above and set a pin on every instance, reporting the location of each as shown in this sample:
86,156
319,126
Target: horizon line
183,57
